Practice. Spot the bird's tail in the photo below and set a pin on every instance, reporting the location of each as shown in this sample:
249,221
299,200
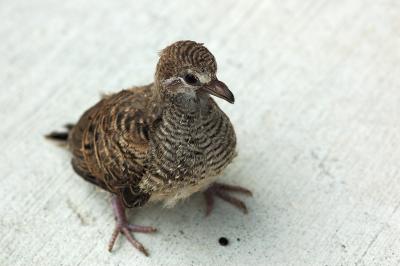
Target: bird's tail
60,137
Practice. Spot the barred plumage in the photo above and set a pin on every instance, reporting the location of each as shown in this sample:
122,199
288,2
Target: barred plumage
187,148
160,142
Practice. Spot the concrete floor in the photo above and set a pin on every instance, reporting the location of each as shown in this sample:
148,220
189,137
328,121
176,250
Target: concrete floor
317,117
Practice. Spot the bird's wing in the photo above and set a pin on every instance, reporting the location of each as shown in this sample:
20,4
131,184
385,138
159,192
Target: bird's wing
111,140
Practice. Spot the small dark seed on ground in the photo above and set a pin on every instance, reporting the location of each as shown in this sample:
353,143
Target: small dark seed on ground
238,239
223,241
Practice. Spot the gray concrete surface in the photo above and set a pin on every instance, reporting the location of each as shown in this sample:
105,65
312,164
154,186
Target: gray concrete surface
317,116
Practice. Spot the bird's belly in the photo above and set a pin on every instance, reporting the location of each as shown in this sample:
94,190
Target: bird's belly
171,197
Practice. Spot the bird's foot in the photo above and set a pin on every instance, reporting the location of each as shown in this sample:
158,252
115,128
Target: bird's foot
222,191
122,226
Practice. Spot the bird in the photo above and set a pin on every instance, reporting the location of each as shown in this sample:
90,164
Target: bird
161,142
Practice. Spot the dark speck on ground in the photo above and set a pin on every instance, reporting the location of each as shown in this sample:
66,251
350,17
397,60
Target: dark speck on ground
223,241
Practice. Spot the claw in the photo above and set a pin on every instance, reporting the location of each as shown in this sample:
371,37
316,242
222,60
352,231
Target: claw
141,229
134,242
113,238
123,227
222,191
238,189
234,201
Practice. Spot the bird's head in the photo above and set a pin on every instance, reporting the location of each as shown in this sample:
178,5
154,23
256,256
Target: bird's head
187,69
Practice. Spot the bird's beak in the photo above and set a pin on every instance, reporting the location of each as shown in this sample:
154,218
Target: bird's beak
219,89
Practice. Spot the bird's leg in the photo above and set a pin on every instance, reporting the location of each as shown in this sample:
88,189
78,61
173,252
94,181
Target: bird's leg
122,226
222,191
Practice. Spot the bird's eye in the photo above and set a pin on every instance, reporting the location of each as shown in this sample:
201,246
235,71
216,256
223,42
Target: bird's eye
190,79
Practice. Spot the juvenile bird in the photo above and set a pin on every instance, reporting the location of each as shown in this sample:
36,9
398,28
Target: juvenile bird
160,142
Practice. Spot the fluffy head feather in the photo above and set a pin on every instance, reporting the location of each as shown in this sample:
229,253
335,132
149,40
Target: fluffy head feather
183,55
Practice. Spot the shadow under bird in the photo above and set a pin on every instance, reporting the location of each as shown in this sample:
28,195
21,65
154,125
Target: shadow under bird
160,142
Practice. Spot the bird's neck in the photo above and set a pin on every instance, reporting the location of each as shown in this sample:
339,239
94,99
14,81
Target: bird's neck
190,105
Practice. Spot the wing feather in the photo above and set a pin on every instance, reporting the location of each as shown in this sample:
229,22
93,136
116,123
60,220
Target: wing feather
111,140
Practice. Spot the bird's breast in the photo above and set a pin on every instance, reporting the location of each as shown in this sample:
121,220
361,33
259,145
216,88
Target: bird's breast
187,154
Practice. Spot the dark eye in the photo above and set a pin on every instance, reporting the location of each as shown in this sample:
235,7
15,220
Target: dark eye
190,79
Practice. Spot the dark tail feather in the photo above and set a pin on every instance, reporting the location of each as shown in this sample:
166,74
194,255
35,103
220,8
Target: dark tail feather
60,136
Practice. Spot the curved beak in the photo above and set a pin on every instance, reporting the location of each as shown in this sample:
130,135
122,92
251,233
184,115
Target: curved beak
219,89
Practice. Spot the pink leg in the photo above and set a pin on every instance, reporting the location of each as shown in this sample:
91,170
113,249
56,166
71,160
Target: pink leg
222,191
122,226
